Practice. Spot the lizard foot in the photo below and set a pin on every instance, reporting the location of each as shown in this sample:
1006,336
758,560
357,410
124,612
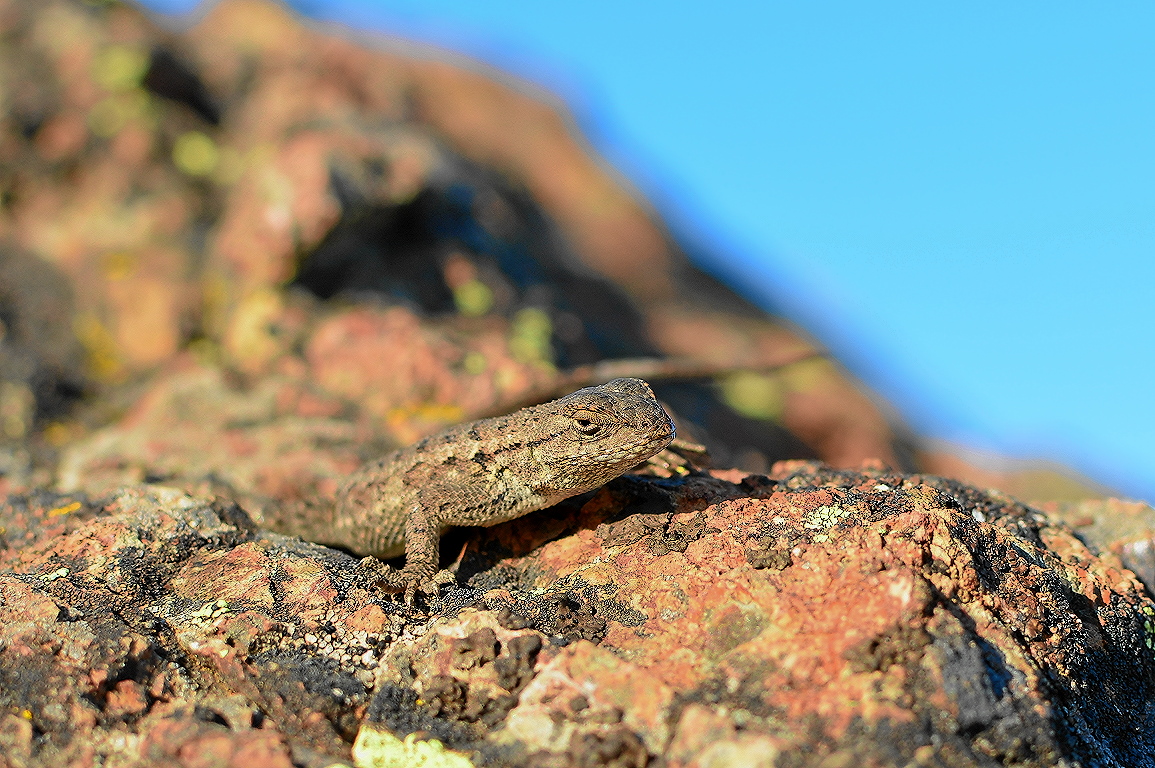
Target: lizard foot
407,580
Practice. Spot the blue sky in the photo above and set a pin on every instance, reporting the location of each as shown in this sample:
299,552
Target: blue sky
959,199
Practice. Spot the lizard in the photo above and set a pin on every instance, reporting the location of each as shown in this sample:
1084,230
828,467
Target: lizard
490,471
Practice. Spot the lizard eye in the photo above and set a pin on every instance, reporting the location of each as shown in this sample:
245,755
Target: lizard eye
586,425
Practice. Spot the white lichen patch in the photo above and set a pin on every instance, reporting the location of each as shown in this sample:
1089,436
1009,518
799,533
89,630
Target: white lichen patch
378,748
826,517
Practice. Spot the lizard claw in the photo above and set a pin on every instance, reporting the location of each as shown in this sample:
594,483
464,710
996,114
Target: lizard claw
408,580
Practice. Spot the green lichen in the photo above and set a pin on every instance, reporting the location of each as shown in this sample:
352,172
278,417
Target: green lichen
1148,626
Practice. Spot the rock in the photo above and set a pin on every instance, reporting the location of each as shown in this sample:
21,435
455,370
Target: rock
1114,528
812,617
41,362
80,147
160,639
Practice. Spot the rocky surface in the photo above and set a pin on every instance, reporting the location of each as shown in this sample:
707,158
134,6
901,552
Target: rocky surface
240,259
810,617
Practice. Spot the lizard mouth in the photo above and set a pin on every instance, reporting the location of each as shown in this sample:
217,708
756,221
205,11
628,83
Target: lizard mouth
662,433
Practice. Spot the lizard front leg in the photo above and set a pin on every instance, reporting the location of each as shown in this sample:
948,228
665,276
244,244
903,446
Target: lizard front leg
422,533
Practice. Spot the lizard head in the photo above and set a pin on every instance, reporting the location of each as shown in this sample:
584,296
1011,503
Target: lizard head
600,432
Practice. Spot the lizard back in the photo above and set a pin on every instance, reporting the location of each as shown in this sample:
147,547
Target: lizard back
489,471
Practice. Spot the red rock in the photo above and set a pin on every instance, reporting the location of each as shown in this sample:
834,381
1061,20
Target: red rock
192,744
126,698
889,597
237,574
401,370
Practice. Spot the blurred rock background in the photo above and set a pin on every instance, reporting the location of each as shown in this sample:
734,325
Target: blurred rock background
262,230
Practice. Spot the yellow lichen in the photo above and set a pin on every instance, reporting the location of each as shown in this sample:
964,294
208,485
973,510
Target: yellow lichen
754,395
195,154
806,375
112,113
65,510
119,265
119,67
57,433
103,357
474,363
529,336
17,409
473,298
252,338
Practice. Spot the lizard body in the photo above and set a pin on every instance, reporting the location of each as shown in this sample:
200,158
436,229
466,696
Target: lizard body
491,471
